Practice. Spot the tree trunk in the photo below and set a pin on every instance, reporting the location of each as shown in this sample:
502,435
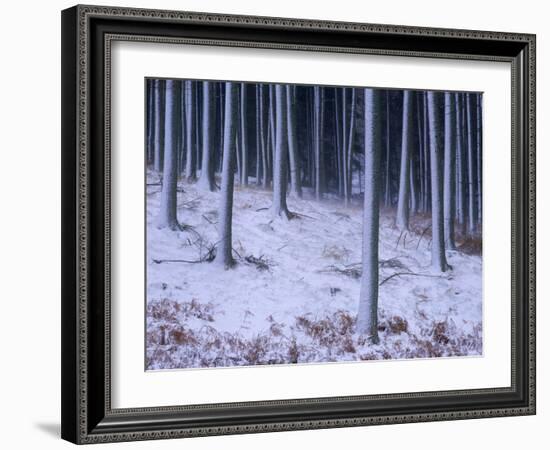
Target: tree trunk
206,180
449,174
439,262
244,136
348,149
367,318
472,213
224,250
191,128
461,185
479,160
150,121
319,150
279,208
421,144
167,213
414,197
387,193
295,179
263,135
402,219
159,124
258,138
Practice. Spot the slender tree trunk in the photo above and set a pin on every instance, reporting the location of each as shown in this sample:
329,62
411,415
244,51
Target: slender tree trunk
479,161
414,197
449,174
238,138
295,179
439,262
167,217
206,180
367,317
472,213
427,150
150,121
421,144
191,128
279,208
224,251
348,149
387,192
402,219
159,124
244,135
258,138
461,185
319,150
263,136
271,121
339,131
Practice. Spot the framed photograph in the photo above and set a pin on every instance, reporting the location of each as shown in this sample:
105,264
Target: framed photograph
279,224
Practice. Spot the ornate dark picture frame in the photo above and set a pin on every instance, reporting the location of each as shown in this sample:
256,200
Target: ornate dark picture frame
87,34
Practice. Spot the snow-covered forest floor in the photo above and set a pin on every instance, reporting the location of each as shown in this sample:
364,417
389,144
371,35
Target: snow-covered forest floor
293,295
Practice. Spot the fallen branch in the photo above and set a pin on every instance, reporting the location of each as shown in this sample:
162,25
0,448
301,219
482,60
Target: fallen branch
398,274
160,261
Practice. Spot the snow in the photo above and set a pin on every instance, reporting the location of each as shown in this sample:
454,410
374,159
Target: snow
300,308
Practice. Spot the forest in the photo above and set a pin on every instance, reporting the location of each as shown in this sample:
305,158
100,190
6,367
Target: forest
302,223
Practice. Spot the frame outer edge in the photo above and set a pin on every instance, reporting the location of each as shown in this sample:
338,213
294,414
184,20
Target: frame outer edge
75,220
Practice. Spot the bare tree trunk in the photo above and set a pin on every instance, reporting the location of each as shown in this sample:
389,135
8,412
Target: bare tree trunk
479,161
191,128
421,144
387,193
263,135
206,180
427,149
279,208
414,197
461,192
244,136
224,254
449,170
150,121
295,179
159,124
348,149
367,317
402,219
340,129
439,261
472,213
319,150
167,217
259,138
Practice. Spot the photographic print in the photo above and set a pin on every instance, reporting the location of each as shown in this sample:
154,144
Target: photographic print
290,224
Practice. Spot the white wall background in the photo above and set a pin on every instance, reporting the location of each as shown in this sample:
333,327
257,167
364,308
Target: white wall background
30,225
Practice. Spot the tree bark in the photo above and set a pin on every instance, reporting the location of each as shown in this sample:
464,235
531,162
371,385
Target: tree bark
244,135
439,261
479,160
167,217
159,124
449,174
295,179
224,250
191,128
348,148
319,150
472,213
206,180
367,318
279,208
402,219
